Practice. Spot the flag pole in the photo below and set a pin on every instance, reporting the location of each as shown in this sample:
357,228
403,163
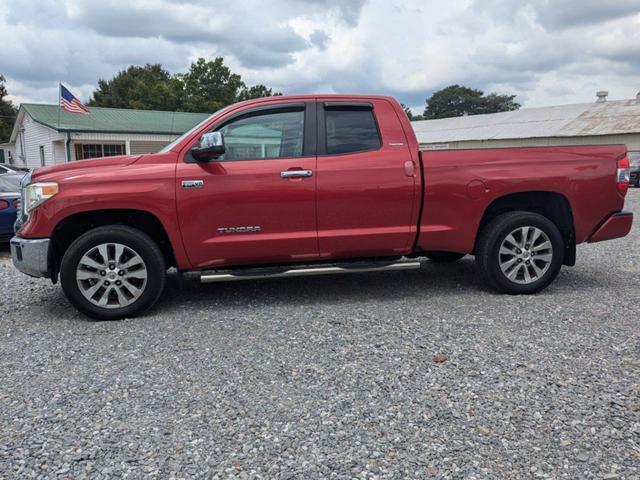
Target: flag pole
60,108
59,98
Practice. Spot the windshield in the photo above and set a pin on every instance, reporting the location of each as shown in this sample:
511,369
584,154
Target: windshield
186,134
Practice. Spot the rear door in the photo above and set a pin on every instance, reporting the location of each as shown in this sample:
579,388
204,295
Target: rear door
257,202
366,181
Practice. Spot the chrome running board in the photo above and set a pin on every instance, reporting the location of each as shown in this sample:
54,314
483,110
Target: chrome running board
269,272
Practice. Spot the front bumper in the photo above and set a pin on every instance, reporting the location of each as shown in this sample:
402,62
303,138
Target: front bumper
31,256
616,226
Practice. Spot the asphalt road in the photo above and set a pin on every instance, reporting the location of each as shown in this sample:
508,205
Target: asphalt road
332,377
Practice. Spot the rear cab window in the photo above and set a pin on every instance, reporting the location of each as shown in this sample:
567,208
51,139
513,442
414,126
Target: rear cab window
348,128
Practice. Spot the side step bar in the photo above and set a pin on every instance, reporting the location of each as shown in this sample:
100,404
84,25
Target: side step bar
268,272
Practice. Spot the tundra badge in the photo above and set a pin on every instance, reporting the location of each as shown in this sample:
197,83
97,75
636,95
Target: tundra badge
248,229
192,183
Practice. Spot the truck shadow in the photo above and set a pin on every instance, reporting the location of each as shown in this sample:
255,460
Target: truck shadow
432,280
440,279
441,282
435,280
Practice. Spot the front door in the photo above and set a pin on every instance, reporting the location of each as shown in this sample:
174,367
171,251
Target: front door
257,202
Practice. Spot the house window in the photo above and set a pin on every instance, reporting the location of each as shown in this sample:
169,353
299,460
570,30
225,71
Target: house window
112,150
42,155
97,150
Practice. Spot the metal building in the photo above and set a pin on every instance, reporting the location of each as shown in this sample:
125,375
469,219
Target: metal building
598,123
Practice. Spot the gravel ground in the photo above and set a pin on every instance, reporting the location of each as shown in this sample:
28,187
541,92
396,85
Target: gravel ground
332,377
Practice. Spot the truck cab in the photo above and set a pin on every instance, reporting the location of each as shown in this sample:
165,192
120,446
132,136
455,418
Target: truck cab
299,181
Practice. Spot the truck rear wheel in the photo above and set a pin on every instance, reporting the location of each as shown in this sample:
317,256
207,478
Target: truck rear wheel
520,252
113,272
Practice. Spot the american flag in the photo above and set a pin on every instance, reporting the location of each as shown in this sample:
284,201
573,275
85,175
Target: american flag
70,103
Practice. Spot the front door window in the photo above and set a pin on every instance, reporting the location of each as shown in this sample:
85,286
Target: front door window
270,135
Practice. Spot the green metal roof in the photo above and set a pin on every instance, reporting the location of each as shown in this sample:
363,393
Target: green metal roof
254,131
114,120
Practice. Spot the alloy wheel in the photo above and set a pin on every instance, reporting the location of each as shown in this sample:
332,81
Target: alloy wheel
111,275
525,255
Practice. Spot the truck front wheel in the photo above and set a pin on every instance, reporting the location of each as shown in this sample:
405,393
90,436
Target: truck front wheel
113,272
520,252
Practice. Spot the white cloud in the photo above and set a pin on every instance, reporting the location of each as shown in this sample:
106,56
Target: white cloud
544,51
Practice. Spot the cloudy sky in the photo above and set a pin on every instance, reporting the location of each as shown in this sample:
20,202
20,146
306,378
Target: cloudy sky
544,51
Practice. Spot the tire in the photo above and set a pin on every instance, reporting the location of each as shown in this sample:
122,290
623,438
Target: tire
132,286
497,265
444,257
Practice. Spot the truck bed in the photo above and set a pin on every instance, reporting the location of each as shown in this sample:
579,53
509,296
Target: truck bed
460,185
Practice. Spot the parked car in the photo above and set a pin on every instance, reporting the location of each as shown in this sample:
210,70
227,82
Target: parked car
9,199
634,175
290,186
11,169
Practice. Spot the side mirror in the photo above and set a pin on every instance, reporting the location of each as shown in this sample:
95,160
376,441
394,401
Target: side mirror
211,145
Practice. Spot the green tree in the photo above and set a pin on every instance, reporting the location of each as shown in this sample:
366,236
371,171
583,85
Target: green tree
410,115
456,100
257,91
144,88
207,86
210,86
7,113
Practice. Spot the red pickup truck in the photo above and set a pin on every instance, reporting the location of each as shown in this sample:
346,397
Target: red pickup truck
318,184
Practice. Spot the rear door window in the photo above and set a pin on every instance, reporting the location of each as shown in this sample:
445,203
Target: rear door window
350,130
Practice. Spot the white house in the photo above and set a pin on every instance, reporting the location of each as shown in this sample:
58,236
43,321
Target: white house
46,134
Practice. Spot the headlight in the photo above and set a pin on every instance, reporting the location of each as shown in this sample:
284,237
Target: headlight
37,193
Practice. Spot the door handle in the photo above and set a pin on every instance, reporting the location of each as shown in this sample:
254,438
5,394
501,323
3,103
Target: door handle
296,173
409,168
